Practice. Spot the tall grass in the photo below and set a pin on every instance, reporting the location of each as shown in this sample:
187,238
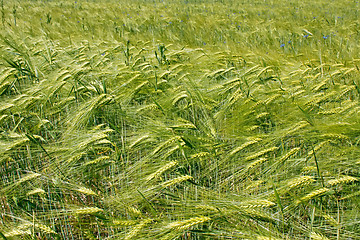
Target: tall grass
179,120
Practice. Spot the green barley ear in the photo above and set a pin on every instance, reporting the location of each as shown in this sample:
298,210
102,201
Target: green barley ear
261,203
85,191
300,181
355,194
80,119
261,153
297,127
186,224
342,180
176,181
245,145
161,170
266,238
289,154
314,194
256,163
123,222
318,236
86,210
35,191
137,228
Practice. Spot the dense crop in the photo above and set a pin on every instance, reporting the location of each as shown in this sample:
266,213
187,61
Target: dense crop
180,119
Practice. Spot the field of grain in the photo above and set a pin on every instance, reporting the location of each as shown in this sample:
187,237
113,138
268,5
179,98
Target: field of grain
180,119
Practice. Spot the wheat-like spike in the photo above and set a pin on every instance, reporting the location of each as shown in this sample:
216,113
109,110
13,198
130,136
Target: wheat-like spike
25,229
315,193
2,117
5,74
318,236
347,107
344,179
186,224
136,229
64,101
255,213
298,93
346,90
205,140
180,96
320,85
138,87
44,228
266,238
94,138
272,98
216,87
172,150
3,87
6,106
200,155
336,136
330,219
207,208
320,98
318,147
137,141
134,210
252,128
297,127
184,126
27,178
87,210
176,181
17,144
348,70
234,97
63,75
17,232
259,102
308,169
265,70
318,74
238,149
98,160
85,190
355,110
86,109
254,184
261,115
331,111
298,181
35,191
76,157
104,142
124,222
167,143
261,153
257,204
256,163
289,154
148,107
316,99
212,74
350,195
161,170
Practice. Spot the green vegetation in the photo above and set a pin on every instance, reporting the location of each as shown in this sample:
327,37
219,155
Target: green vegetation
180,119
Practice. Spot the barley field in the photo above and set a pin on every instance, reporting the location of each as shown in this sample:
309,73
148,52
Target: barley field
180,119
